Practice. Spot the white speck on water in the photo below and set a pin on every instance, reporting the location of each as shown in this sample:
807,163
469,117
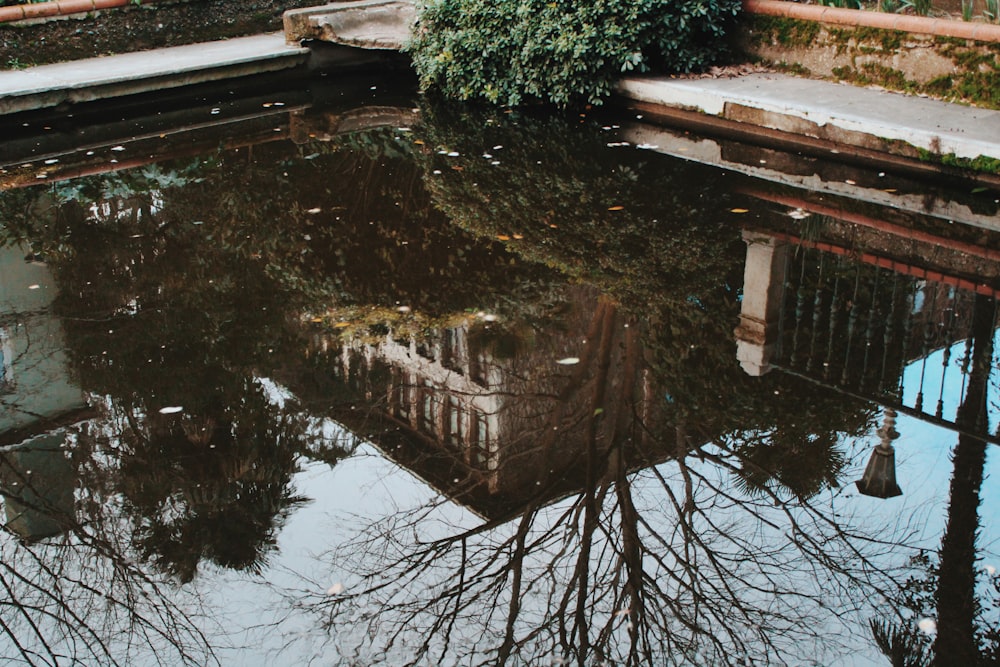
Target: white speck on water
171,409
216,110
197,222
495,162
647,147
928,626
488,156
453,154
498,147
436,171
489,318
118,148
314,211
52,161
336,589
568,361
990,570
34,286
89,153
403,309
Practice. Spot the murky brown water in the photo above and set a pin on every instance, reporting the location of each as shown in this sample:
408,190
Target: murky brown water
373,381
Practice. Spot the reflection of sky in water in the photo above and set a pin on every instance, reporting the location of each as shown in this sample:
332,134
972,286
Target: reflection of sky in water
367,486
923,451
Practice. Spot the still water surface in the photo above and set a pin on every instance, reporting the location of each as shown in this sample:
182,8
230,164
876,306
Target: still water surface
377,382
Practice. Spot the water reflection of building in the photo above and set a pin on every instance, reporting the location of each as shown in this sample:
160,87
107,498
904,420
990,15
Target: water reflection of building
38,400
488,415
858,303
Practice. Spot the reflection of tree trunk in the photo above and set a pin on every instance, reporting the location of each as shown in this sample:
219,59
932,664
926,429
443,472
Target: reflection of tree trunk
956,604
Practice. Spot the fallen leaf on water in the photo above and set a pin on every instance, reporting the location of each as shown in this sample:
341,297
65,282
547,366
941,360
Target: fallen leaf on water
418,142
317,319
341,325
518,236
739,210
503,237
616,208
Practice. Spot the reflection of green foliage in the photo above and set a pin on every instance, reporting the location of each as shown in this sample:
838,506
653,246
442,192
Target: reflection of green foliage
798,456
511,52
210,485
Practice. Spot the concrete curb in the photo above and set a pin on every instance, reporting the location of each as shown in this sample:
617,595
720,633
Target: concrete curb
141,72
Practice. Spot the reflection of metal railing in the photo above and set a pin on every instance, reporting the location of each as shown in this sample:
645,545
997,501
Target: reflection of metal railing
877,331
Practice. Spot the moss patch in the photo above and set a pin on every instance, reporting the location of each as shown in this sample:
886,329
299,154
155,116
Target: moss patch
982,163
784,31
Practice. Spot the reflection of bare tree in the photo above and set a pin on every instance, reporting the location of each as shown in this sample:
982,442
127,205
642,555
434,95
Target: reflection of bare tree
82,597
661,566
630,543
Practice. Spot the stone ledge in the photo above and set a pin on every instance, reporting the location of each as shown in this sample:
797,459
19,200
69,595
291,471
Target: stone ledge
365,24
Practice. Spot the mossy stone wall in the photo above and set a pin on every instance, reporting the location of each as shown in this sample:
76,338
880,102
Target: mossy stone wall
953,69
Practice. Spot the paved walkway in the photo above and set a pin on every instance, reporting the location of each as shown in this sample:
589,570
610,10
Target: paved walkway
145,71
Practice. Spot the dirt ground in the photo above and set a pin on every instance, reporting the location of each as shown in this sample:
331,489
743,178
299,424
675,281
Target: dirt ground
137,28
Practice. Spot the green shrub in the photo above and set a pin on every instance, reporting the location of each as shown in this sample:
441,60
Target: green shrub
515,51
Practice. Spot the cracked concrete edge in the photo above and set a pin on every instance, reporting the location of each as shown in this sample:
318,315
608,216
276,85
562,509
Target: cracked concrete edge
350,23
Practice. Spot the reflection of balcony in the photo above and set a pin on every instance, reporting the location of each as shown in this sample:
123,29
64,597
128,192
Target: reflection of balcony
874,323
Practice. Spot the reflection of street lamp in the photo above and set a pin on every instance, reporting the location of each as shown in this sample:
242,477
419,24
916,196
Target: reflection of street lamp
879,479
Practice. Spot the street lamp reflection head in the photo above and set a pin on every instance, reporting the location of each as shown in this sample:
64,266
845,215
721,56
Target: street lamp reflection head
879,480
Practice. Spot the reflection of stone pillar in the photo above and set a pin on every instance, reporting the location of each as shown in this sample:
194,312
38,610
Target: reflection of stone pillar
37,481
763,289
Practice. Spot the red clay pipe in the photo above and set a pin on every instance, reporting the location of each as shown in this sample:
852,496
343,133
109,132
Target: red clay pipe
982,32
41,10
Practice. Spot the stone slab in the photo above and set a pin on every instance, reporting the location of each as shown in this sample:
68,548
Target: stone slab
364,24
145,71
863,117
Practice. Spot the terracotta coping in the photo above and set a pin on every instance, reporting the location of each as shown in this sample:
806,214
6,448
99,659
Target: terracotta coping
41,10
983,32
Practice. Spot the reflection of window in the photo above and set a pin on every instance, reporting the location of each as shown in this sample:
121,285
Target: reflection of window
427,408
6,363
480,441
454,422
401,397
